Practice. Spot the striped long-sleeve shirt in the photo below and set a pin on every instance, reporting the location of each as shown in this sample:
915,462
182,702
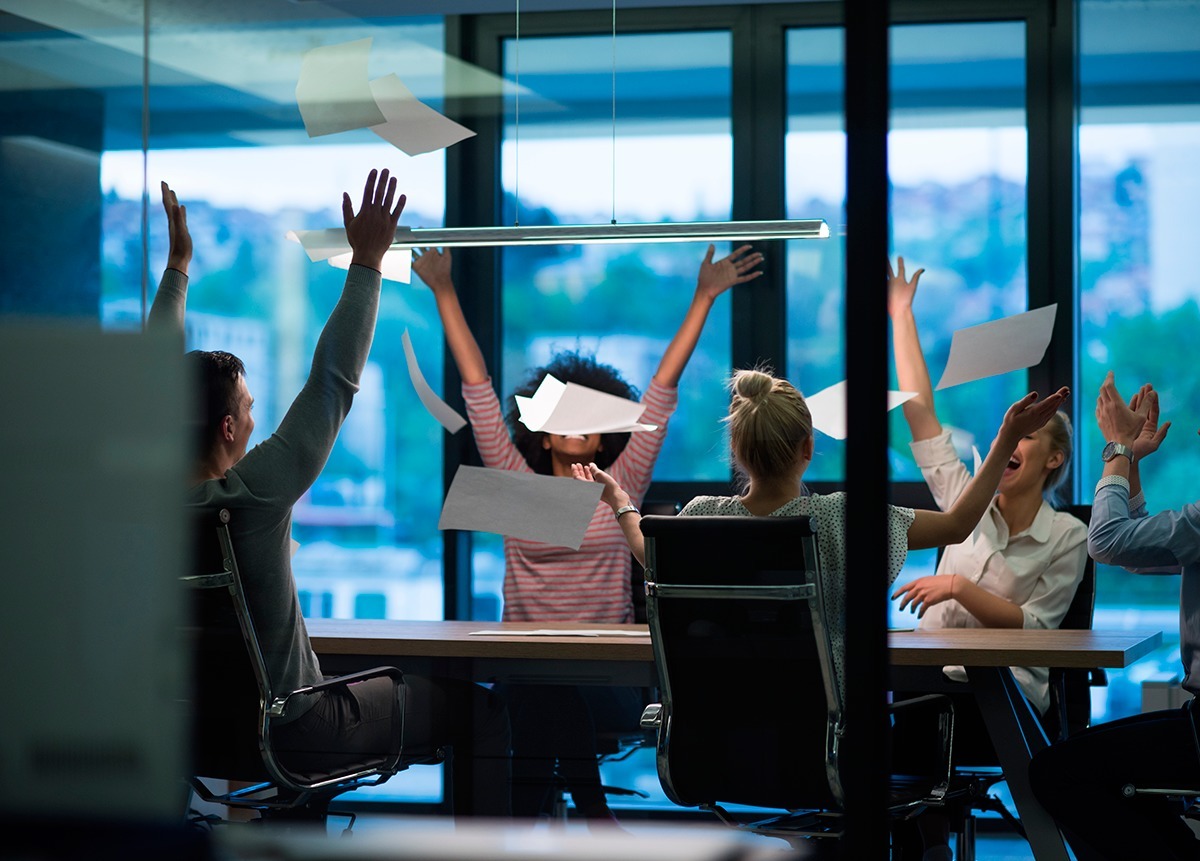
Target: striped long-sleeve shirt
544,583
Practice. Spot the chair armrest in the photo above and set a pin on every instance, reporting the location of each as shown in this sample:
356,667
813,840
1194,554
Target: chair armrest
652,716
280,703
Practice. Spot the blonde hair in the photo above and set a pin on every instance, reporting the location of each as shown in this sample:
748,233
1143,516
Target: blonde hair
768,423
1062,438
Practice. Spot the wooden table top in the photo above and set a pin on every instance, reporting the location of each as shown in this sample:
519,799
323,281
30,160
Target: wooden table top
969,646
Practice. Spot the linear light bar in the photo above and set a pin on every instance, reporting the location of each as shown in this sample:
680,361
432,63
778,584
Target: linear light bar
579,234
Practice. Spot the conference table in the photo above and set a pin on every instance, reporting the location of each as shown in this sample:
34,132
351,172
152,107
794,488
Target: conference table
592,654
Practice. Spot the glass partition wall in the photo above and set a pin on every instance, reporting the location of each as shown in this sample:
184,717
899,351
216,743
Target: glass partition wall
689,113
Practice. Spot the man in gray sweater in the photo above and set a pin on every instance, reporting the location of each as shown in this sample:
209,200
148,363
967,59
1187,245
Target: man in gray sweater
260,487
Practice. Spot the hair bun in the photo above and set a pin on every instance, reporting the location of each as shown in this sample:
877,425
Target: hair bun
752,384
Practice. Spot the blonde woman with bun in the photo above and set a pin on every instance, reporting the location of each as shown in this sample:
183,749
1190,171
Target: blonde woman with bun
771,441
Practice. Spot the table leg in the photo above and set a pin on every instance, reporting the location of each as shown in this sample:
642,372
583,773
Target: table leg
1017,735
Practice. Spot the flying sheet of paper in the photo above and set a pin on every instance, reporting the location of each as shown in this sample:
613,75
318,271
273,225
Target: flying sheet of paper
321,244
395,266
446,415
977,460
545,508
997,347
569,408
333,92
546,632
828,408
412,125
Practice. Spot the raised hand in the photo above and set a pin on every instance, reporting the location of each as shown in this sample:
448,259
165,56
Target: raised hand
1151,435
737,268
1118,421
372,231
900,289
613,495
433,267
179,254
1029,414
924,592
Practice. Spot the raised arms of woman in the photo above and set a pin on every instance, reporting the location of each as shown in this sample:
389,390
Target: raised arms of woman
713,280
911,371
433,266
939,528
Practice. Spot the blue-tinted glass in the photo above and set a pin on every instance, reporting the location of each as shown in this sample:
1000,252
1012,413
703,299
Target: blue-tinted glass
671,160
1139,294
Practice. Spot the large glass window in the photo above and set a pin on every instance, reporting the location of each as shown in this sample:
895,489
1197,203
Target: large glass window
1139,289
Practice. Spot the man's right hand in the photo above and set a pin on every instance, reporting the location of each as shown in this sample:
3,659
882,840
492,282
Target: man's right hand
372,231
180,253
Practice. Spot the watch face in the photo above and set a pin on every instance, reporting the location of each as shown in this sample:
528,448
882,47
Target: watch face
1109,452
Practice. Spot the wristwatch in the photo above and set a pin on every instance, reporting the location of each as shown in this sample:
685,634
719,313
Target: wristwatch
1113,449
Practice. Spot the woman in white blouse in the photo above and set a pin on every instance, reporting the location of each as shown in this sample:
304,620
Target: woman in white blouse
1021,566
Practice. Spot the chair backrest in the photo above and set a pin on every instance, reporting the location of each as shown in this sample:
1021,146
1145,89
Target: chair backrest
230,683
1070,689
1083,605
750,699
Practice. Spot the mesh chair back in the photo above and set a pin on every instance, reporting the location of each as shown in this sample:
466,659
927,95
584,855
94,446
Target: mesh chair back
750,700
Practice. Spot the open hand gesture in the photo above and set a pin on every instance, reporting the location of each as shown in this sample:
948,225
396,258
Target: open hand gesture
372,231
900,289
433,267
614,495
737,268
179,254
1029,414
1151,435
1119,421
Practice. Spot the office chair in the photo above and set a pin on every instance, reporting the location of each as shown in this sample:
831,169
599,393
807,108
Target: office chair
234,705
751,708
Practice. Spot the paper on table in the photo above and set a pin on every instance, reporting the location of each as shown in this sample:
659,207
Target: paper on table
569,408
412,125
333,92
828,408
547,632
997,347
446,415
395,266
546,508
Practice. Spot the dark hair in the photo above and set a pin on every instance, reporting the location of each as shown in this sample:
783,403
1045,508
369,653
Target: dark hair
214,376
569,367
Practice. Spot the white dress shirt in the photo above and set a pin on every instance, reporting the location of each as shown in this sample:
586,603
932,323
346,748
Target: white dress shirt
1038,569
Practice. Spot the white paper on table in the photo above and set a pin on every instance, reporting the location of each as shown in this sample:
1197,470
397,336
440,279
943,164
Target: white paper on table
321,244
412,125
333,91
395,266
569,408
999,346
447,416
546,508
828,408
548,632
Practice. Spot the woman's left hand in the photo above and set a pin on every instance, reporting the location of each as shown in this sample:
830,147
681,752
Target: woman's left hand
737,268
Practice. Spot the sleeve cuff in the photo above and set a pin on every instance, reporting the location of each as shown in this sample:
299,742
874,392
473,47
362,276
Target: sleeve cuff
1110,480
933,451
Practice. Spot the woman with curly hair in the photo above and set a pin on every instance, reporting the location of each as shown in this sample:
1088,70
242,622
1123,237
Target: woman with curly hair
544,583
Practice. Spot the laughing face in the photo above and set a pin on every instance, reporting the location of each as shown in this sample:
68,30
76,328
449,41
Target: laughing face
1032,462
572,448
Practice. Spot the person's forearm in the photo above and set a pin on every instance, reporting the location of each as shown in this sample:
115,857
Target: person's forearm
170,302
463,346
631,525
912,374
991,610
937,529
680,350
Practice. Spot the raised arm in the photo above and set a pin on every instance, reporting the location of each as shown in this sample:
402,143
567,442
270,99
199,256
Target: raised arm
617,499
713,280
911,371
938,528
433,267
167,312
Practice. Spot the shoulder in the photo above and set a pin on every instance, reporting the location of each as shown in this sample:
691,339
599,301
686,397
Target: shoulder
708,506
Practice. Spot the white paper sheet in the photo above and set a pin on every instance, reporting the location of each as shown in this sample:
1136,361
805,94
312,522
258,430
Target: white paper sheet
321,244
997,347
411,125
569,408
978,461
333,92
546,632
828,408
395,266
447,416
543,508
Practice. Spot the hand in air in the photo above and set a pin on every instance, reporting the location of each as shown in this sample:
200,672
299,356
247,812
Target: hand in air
900,289
1152,434
180,253
1029,414
372,231
1118,420
433,267
737,268
613,494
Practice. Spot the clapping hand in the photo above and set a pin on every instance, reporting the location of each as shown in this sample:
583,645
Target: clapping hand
1151,436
